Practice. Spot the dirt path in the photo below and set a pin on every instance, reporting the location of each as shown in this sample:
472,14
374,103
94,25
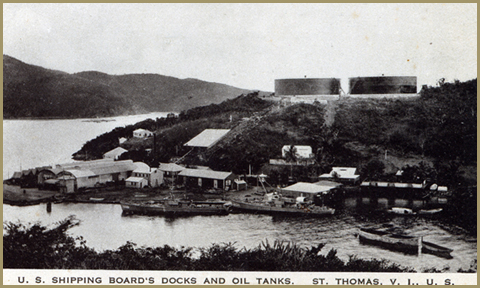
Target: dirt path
330,113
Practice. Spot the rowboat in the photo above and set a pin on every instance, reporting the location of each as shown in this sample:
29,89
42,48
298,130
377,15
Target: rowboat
408,211
403,243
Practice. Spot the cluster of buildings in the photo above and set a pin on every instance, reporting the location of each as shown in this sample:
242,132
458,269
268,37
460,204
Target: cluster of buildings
83,175
80,176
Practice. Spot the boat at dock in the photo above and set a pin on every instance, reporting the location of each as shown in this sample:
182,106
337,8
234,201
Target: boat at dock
177,207
408,211
142,207
404,243
282,205
212,207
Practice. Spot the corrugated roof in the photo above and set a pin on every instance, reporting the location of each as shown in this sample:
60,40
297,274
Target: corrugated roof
115,152
207,138
81,164
81,173
135,179
110,168
307,188
328,183
170,167
141,167
142,130
209,174
117,167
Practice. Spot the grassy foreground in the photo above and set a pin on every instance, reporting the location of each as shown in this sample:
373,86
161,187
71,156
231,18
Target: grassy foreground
38,247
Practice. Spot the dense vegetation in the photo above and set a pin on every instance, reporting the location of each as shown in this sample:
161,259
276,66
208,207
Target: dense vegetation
41,248
438,128
432,137
32,91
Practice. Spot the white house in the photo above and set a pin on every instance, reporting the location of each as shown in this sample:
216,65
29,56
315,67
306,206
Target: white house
301,151
74,176
136,182
142,133
154,176
342,174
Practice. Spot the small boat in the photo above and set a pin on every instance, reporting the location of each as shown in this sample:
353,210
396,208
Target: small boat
401,211
408,211
280,205
403,243
95,199
177,207
430,211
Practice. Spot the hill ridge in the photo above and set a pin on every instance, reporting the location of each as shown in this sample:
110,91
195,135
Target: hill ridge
57,94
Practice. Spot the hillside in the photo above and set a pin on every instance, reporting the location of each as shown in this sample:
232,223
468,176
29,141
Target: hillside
431,138
437,130
56,94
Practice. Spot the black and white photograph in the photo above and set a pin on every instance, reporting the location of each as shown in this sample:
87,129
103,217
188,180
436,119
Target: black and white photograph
240,143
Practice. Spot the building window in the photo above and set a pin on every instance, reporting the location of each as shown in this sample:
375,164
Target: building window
200,182
228,182
215,184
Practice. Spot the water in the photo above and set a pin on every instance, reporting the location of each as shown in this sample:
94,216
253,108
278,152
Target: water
246,230
30,143
33,143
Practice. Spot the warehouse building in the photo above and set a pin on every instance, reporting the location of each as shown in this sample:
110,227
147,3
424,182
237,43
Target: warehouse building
207,179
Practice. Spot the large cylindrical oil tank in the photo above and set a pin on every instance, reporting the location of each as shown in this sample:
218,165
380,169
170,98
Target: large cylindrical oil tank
307,86
383,85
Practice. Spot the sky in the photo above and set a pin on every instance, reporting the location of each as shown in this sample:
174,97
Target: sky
247,45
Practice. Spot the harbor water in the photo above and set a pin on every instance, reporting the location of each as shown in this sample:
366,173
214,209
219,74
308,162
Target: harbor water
31,143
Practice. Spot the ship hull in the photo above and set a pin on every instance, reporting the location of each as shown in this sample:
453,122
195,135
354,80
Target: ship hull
403,243
259,208
175,209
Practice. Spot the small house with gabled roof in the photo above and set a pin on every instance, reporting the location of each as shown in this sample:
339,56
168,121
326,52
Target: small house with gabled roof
142,133
207,179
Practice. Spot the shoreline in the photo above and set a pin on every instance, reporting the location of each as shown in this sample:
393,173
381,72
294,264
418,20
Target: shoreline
87,118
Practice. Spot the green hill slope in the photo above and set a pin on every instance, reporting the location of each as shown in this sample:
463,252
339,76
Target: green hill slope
32,91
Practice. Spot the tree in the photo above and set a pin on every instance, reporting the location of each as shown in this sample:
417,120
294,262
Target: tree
291,154
373,170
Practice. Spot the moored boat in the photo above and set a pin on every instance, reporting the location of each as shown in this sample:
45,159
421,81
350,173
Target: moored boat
280,205
213,207
403,243
142,207
408,211
177,207
430,211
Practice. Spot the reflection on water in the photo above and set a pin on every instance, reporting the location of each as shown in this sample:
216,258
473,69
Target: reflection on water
104,227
